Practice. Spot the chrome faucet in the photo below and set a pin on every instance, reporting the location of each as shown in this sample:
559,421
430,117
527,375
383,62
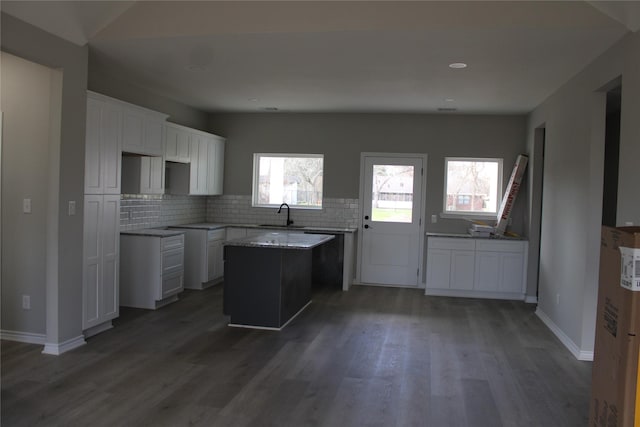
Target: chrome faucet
289,222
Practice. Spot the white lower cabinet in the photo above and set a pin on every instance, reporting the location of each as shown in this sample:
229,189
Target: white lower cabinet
203,257
100,262
479,268
151,270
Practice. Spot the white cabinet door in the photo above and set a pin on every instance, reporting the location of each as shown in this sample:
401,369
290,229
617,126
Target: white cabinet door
153,136
110,257
212,253
488,265
103,148
462,269
133,131
198,182
142,131
100,259
438,268
151,175
215,260
215,167
91,266
177,144
511,272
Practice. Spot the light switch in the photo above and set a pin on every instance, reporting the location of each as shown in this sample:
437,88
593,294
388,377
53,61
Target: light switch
434,219
26,206
72,207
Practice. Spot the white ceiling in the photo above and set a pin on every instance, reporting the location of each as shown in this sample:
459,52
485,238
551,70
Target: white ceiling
341,56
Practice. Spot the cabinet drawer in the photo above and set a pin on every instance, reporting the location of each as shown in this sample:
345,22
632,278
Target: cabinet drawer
216,235
499,246
171,284
453,243
172,242
172,261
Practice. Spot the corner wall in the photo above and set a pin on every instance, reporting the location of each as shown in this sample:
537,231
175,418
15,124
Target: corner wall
64,297
574,118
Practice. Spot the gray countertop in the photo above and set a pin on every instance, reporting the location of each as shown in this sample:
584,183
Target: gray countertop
152,232
282,240
469,236
200,226
296,228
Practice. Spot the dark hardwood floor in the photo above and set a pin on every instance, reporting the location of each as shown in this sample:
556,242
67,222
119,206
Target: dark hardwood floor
370,356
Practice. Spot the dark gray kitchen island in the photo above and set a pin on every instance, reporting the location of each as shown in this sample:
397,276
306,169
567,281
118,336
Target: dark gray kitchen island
267,278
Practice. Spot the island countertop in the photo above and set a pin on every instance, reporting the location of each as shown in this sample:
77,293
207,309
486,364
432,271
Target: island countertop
282,240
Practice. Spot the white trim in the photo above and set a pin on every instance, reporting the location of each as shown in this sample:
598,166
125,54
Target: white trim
25,337
564,338
513,296
424,157
529,299
255,184
420,285
57,349
269,328
472,214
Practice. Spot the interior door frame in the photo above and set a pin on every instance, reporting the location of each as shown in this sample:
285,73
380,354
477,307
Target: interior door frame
421,264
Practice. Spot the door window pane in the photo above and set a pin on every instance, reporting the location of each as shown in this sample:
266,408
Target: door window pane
392,198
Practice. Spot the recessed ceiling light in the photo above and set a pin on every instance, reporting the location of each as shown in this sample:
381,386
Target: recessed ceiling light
458,65
449,100
253,99
270,108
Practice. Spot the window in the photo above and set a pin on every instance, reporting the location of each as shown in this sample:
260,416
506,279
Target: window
295,179
472,186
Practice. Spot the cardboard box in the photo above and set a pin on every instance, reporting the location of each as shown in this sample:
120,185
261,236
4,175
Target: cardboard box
615,399
510,194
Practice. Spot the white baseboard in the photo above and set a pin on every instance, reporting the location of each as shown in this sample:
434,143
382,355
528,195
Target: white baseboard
529,299
57,349
25,337
564,338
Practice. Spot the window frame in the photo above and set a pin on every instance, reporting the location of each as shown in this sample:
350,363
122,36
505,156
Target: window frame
255,185
472,214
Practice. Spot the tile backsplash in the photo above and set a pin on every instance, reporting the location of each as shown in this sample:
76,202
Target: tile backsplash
147,211
231,209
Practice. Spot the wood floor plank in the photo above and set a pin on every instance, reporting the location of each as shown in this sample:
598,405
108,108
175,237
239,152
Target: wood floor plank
372,356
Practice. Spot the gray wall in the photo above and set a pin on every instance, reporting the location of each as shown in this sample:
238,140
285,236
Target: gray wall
26,90
119,87
64,304
342,137
574,119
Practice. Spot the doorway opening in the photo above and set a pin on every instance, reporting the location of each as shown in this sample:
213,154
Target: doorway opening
611,157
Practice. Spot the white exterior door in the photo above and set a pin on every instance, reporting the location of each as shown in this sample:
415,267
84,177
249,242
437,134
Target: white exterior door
391,236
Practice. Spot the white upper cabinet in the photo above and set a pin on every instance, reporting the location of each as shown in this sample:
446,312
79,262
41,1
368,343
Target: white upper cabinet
142,130
199,163
215,169
202,158
103,147
177,144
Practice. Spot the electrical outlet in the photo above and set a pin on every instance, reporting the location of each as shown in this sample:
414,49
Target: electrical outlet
434,219
26,302
72,207
628,224
26,206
